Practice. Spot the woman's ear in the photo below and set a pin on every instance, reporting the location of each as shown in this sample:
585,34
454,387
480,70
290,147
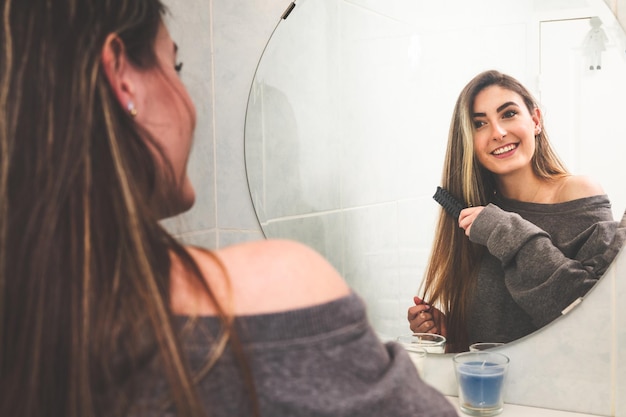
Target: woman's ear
119,71
536,116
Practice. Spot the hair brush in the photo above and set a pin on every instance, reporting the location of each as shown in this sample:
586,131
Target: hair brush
449,203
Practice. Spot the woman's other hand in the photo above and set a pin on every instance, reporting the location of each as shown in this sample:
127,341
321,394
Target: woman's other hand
424,318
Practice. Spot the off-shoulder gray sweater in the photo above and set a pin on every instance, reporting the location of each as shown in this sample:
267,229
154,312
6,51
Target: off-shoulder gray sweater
325,360
542,257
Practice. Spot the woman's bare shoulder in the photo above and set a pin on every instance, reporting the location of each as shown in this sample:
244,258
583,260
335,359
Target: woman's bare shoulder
273,275
578,186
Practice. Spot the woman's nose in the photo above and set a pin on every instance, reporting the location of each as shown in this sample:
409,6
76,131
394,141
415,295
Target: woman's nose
498,132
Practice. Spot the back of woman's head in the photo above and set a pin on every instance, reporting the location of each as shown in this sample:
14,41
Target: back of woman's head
84,265
58,112
54,97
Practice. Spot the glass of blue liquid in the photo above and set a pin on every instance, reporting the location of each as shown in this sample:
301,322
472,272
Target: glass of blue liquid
481,378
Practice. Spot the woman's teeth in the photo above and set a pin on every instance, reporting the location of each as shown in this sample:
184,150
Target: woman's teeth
504,149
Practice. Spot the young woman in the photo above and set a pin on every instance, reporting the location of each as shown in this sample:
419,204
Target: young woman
102,312
532,241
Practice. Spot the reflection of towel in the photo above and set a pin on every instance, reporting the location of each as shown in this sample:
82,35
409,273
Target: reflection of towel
595,40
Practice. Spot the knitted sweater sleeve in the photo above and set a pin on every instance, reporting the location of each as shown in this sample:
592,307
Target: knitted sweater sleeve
540,277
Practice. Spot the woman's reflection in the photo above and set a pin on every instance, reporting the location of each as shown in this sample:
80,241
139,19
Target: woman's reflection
534,239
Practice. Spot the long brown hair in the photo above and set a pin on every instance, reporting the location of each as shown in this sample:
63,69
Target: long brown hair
450,278
84,263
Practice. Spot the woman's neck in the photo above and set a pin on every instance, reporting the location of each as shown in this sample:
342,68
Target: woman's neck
528,187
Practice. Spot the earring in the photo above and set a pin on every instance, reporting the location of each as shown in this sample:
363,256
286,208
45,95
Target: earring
132,110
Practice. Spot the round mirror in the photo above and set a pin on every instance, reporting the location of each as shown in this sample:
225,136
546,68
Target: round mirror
348,117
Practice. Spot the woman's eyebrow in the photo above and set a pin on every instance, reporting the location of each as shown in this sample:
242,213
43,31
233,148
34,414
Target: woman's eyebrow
505,105
498,110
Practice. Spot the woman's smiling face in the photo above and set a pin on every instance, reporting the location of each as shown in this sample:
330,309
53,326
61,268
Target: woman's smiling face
504,130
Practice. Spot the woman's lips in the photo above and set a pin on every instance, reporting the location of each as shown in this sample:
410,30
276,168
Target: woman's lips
503,150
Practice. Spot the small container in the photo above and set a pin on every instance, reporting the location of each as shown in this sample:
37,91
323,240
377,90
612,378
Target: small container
481,378
432,343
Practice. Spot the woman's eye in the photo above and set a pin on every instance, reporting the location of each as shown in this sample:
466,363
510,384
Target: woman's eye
509,113
178,67
478,124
